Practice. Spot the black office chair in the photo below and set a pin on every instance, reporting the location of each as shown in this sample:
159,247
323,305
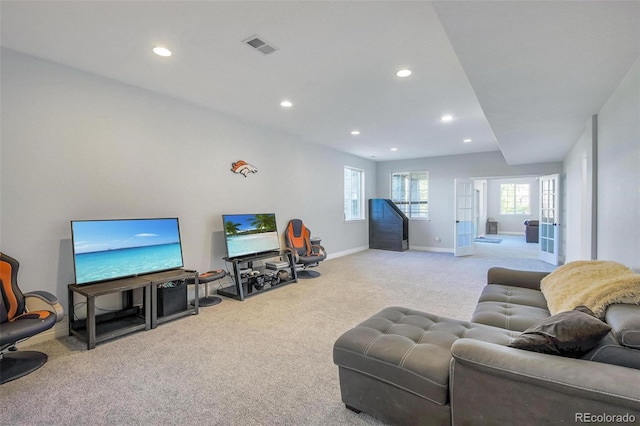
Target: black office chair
17,323
306,254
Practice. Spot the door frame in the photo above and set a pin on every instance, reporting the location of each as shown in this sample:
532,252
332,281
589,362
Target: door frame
549,230
464,215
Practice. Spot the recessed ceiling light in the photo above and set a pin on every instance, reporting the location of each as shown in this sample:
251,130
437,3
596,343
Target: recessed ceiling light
403,73
355,132
161,51
394,149
466,140
447,118
286,104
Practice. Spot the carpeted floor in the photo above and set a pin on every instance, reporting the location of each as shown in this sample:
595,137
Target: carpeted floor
488,240
264,361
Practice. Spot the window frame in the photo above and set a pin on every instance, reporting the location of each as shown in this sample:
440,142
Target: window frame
410,199
360,196
515,203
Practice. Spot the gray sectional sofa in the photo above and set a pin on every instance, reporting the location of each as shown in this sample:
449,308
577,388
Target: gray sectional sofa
408,367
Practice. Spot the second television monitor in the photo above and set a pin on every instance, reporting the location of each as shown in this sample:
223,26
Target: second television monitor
250,234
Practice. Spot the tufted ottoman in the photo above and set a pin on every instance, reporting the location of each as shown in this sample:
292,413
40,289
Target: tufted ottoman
395,365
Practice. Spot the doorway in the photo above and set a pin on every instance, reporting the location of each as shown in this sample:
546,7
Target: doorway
510,236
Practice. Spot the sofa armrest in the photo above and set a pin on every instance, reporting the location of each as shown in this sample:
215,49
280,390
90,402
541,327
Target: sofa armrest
493,384
515,278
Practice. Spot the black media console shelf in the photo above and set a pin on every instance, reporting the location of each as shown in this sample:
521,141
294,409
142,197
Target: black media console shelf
98,328
250,279
181,276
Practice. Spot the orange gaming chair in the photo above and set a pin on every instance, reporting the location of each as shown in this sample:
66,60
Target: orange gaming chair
17,323
298,240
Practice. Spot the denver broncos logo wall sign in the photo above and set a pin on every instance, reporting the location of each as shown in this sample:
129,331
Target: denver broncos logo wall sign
243,168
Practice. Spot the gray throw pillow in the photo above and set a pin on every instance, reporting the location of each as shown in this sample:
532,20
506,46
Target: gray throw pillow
570,333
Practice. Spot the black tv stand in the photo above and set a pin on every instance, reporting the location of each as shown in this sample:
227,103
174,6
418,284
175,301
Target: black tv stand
98,328
262,279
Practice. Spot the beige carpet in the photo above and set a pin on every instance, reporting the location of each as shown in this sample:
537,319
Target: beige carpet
264,361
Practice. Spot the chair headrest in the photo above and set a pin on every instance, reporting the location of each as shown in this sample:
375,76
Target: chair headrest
13,297
297,227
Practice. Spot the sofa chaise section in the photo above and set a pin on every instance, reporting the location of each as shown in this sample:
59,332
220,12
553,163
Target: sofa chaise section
395,365
409,367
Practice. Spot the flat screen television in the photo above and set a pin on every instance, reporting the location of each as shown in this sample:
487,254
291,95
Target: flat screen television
250,234
119,248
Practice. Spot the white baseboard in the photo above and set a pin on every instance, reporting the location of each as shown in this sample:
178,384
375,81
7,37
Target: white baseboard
347,252
60,329
434,249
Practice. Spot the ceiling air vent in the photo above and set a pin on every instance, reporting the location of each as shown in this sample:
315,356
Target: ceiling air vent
260,45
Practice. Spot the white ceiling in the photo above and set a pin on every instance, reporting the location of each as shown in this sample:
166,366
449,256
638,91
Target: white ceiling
521,77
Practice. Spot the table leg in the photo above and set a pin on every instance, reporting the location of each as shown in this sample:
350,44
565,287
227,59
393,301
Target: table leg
91,322
196,302
71,310
239,287
147,307
154,307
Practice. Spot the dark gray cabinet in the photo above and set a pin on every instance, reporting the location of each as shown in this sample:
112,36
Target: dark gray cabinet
388,226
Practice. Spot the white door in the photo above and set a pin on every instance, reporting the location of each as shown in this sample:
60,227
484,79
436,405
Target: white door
549,220
463,205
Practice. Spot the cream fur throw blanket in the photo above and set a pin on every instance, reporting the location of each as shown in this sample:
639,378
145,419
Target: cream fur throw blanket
595,284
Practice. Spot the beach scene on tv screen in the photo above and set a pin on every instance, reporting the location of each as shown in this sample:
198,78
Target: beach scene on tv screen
250,234
118,248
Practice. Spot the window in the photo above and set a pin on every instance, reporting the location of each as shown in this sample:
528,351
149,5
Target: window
353,194
410,192
514,198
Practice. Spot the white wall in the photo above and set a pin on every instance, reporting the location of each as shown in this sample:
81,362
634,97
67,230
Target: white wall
480,186
512,223
618,180
442,172
578,195
619,173
79,146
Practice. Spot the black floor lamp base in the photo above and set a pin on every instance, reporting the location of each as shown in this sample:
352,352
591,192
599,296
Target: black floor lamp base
205,279
209,301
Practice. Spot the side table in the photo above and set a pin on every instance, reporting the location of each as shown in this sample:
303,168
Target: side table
492,227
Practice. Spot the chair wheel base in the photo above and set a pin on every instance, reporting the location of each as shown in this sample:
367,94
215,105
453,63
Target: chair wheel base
306,274
14,365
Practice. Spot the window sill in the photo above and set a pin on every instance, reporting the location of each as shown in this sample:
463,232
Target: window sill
355,220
